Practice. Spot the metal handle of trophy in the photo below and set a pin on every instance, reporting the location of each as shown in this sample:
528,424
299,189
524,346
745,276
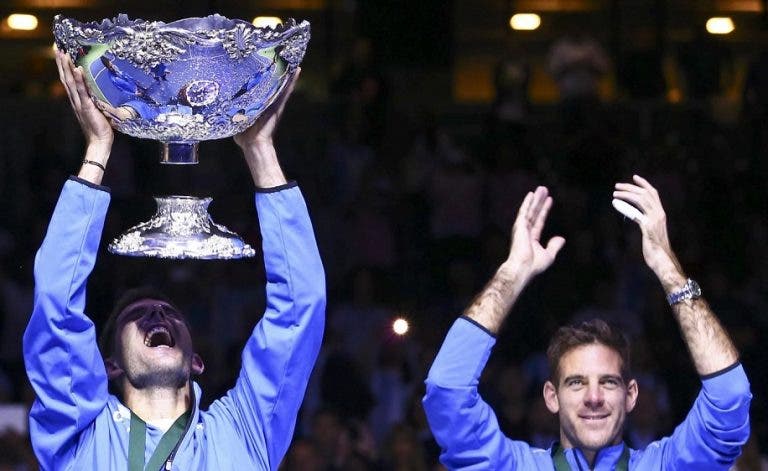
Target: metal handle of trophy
179,153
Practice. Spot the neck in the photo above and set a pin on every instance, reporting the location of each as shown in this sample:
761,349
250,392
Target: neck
159,407
590,456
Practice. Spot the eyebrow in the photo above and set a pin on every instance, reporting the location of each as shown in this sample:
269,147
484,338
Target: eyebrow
568,379
131,309
617,378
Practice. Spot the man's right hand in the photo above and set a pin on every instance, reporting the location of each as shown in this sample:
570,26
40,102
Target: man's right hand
527,258
527,255
95,126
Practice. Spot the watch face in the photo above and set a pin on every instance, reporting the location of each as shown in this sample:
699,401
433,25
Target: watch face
695,288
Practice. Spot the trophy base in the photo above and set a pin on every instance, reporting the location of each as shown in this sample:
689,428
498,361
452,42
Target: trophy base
179,153
181,228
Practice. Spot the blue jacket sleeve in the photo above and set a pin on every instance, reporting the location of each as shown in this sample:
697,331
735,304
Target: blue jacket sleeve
60,351
463,424
279,356
716,428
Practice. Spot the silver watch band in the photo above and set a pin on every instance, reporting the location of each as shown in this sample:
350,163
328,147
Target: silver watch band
690,290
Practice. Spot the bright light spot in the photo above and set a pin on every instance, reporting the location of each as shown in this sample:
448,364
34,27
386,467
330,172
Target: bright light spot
400,326
674,95
264,21
22,21
720,25
525,21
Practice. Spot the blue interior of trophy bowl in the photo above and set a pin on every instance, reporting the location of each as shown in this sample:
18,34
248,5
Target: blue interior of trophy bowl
191,80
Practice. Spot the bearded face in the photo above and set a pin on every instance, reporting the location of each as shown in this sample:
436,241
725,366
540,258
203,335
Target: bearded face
154,346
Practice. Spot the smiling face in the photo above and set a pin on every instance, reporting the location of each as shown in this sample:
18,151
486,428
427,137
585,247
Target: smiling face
592,399
153,346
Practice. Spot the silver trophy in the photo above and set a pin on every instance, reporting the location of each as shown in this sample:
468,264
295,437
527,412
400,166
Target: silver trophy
181,83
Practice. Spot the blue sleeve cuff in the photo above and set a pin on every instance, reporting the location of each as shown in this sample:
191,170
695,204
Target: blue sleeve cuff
728,386
465,351
77,179
275,189
721,372
478,325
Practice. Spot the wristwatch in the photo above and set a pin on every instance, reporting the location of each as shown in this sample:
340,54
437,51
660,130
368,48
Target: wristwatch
690,290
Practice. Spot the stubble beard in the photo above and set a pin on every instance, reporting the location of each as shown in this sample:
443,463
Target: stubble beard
159,377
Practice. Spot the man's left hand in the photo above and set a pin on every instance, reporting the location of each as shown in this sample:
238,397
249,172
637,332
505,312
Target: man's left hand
657,249
261,133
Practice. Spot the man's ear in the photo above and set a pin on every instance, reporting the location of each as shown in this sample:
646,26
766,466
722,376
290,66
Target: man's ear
197,364
632,393
114,370
550,397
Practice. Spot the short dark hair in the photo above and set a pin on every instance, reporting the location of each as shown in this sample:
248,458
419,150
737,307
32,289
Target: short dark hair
107,335
588,332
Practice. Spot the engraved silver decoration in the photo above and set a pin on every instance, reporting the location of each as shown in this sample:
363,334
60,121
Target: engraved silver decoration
186,81
181,228
180,83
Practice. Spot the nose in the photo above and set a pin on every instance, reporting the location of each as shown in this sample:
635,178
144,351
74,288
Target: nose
156,311
593,397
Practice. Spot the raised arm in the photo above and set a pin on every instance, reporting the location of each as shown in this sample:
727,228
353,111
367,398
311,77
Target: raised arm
279,356
718,424
709,344
527,258
60,352
463,424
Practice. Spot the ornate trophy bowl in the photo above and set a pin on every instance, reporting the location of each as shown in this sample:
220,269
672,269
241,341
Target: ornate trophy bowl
181,83
187,81
181,228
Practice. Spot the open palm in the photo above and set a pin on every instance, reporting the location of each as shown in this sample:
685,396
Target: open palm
526,250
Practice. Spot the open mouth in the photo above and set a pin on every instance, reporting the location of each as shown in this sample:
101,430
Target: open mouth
159,336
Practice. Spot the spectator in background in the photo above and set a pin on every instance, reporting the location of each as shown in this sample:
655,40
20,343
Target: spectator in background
578,63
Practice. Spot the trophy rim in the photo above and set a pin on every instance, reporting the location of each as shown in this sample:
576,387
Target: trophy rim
151,46
122,21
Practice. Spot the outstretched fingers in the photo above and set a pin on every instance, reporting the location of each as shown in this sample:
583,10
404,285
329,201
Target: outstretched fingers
641,194
279,105
64,64
539,196
522,213
541,218
86,103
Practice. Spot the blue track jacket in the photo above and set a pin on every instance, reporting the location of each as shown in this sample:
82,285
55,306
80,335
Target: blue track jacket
710,437
75,424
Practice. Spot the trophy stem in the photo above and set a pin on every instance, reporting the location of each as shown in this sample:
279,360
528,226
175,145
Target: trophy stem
179,153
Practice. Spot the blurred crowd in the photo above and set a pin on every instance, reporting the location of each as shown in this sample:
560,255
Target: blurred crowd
412,213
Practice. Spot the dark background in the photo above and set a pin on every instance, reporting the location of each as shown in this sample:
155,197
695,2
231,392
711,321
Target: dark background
414,132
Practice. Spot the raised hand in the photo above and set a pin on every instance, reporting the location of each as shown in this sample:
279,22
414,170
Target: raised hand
527,252
261,133
527,258
95,126
652,220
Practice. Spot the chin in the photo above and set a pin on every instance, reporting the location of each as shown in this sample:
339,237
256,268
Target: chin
596,442
161,378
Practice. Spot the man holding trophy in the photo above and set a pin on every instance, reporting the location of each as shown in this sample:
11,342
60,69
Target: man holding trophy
133,405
